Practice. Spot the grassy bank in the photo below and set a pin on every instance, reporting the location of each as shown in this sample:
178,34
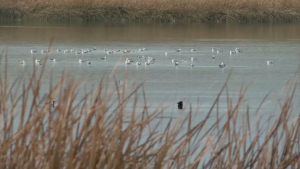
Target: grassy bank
85,135
153,10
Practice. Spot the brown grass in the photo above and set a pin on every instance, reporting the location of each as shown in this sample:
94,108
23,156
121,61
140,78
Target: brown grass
153,10
96,132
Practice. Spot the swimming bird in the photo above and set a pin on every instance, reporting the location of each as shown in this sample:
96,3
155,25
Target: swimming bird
58,50
110,52
44,51
147,63
219,50
238,50
193,50
213,57
126,51
33,51
184,60
192,65
138,63
166,53
53,60
180,105
105,50
80,61
213,50
66,51
127,61
232,52
94,48
122,81
178,50
193,59
21,62
37,61
103,58
89,62
270,62
222,65
176,63
53,103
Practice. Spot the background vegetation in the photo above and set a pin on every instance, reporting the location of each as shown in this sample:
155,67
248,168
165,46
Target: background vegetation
153,10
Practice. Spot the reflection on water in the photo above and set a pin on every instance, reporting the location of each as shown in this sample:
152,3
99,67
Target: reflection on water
259,43
142,32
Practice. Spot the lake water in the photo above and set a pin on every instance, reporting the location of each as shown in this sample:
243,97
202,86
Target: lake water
165,82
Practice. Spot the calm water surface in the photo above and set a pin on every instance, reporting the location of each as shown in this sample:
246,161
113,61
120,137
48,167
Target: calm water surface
163,81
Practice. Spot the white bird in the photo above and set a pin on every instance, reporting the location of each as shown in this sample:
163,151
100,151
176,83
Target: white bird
43,51
21,62
193,59
193,50
66,51
110,52
33,51
53,60
37,61
122,81
176,63
222,65
270,62
232,52
138,63
127,61
213,57
166,53
219,51
81,61
238,50
58,50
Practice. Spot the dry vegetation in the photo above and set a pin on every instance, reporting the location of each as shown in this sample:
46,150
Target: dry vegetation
85,135
153,10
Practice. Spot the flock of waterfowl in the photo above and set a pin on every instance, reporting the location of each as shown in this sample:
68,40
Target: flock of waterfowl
148,59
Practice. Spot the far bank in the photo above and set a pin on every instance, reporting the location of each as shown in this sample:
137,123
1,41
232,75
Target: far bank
252,11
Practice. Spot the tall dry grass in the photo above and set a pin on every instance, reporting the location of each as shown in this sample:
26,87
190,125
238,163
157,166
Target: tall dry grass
97,133
153,10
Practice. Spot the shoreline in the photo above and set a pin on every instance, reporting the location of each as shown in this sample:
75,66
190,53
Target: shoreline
122,14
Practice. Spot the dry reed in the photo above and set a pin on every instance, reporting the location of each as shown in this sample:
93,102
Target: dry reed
93,134
153,10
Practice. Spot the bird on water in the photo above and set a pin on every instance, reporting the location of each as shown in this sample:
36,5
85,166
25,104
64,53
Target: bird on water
180,105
